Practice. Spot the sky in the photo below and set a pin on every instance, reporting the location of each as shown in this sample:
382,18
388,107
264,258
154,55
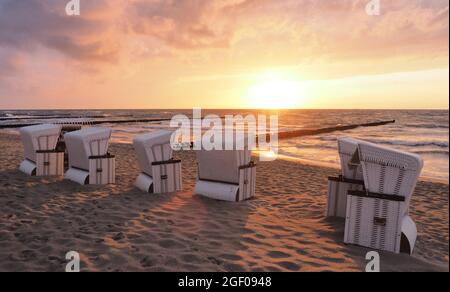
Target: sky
224,54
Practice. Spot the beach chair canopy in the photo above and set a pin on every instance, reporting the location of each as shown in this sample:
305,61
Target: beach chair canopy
389,171
152,147
85,143
347,149
222,166
39,138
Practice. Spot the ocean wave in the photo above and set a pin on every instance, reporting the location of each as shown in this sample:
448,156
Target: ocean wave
372,139
441,144
8,115
334,147
427,126
437,152
307,146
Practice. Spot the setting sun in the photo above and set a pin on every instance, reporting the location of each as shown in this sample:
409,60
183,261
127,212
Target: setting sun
275,92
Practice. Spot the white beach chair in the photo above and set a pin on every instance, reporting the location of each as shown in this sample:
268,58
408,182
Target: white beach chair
351,178
378,217
160,173
89,160
226,175
41,157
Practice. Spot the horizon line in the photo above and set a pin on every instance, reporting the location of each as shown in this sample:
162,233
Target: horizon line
262,109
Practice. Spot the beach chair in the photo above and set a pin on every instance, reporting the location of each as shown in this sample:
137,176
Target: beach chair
160,173
41,156
226,175
89,160
351,178
378,216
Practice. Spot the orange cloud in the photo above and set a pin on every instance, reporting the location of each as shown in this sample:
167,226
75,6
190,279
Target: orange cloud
126,44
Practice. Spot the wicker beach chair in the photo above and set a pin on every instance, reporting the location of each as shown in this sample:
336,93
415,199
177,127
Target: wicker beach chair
89,160
41,156
378,216
227,175
160,173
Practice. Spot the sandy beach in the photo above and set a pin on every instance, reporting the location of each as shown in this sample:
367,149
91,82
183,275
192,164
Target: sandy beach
119,228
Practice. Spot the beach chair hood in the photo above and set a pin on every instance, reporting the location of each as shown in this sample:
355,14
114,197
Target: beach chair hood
389,171
370,152
152,147
85,143
222,166
39,138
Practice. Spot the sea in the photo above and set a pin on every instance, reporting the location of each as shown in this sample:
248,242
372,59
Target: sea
425,132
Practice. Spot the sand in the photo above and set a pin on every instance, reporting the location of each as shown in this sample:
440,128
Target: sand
119,228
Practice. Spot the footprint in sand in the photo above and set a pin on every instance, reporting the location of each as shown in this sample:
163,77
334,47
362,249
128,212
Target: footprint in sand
147,262
278,255
215,261
167,243
289,266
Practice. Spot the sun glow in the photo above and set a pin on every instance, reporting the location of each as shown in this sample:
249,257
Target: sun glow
274,91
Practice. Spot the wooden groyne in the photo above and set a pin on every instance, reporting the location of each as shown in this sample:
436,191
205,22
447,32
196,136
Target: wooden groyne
98,122
42,117
281,135
311,132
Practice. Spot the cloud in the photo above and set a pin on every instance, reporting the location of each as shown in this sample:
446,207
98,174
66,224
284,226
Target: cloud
323,27
183,24
10,62
26,24
214,39
341,28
